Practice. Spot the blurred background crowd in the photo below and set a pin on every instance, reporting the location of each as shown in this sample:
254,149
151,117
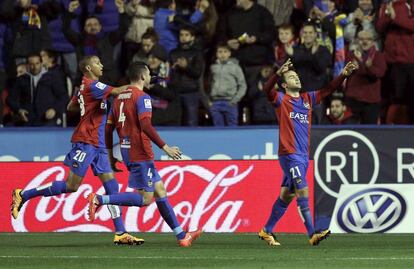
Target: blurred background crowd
209,59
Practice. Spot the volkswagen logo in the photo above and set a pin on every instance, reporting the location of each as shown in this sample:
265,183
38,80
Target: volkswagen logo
373,210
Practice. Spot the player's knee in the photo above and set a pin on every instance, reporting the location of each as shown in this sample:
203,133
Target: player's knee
302,192
147,199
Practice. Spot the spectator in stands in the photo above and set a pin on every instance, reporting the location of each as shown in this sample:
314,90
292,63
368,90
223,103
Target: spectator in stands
396,23
107,12
95,42
339,114
21,69
262,110
149,39
29,25
311,61
167,22
286,37
361,19
38,97
166,108
228,86
280,9
206,28
363,89
187,63
59,42
142,14
249,30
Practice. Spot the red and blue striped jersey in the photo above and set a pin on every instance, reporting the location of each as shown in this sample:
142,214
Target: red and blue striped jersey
93,112
295,115
128,110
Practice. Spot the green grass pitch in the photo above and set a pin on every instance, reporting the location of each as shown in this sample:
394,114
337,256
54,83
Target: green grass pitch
96,250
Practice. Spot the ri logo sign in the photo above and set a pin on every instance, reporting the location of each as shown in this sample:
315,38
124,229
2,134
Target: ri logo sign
345,157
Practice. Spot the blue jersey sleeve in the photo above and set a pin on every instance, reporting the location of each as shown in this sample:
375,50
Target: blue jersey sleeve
100,90
143,105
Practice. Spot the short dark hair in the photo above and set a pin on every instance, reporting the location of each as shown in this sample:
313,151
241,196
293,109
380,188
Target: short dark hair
52,54
310,24
34,54
150,34
337,98
92,17
136,70
189,29
223,46
86,60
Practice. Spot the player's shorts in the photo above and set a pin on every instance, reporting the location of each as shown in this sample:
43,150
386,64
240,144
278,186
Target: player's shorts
143,175
82,155
294,169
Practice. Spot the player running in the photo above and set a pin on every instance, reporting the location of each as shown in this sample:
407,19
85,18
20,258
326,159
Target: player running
294,110
88,148
131,116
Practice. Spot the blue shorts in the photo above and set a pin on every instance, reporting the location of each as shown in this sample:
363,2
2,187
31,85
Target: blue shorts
82,155
143,175
294,169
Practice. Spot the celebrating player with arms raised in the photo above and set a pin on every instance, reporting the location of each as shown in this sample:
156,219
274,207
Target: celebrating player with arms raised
294,110
131,116
88,147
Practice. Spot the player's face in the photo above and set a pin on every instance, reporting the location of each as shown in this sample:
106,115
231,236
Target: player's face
292,80
186,37
153,62
95,66
147,78
147,45
35,65
337,109
285,35
92,26
223,54
308,34
365,5
365,40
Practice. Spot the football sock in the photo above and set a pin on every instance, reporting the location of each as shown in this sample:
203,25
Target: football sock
279,208
123,198
168,215
303,206
111,188
50,189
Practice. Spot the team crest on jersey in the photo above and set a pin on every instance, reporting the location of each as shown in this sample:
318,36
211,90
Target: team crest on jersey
298,180
306,105
103,105
75,165
100,85
147,103
150,183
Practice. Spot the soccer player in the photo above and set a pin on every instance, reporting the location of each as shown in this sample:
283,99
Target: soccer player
294,110
131,116
88,147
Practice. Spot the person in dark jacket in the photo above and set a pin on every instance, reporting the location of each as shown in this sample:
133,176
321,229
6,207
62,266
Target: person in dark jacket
187,66
29,28
312,61
249,30
3,76
166,108
96,42
38,97
339,114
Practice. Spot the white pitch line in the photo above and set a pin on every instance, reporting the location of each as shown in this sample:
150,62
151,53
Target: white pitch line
201,258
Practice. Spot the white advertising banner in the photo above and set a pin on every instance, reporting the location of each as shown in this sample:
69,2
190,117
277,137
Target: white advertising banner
374,208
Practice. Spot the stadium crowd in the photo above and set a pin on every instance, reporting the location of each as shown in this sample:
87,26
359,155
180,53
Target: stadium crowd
209,59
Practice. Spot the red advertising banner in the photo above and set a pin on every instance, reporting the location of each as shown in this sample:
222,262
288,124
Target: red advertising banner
217,196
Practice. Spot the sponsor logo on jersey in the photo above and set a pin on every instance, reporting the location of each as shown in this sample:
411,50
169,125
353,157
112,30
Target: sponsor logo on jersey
303,118
100,85
306,105
103,105
147,103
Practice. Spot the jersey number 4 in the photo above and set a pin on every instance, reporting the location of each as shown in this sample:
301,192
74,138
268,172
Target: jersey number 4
122,117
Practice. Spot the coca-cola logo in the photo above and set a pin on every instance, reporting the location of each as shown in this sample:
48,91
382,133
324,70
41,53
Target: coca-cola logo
217,196
197,204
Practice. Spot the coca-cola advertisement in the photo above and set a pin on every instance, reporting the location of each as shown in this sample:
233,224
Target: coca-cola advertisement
217,196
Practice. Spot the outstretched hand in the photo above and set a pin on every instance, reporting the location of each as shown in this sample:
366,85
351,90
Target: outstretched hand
349,68
172,152
285,67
